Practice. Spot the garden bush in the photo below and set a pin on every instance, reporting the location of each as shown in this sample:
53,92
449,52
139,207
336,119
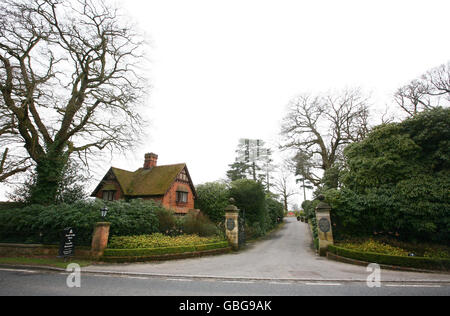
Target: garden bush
198,223
261,210
212,199
397,181
168,223
254,230
43,224
250,198
275,212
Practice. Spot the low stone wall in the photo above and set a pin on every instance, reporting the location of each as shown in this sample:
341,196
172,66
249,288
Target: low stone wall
17,250
30,250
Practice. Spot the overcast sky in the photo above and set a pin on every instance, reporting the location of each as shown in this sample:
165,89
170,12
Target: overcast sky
224,70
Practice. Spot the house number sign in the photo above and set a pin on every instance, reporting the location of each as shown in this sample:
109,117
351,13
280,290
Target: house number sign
324,225
230,224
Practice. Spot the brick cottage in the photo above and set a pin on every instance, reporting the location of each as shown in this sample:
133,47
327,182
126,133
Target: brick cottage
171,185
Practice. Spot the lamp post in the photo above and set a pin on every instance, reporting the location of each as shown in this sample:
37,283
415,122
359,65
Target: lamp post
100,235
104,211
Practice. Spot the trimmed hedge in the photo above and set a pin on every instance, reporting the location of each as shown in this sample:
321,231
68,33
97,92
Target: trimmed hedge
43,224
145,252
409,262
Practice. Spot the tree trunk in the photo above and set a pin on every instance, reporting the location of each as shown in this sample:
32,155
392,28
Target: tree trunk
49,171
285,204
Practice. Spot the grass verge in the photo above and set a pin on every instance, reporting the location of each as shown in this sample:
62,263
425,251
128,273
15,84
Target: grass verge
52,262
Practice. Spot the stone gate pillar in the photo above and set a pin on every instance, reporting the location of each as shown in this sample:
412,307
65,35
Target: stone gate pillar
324,226
232,224
100,238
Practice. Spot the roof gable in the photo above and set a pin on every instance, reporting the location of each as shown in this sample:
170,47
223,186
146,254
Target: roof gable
124,177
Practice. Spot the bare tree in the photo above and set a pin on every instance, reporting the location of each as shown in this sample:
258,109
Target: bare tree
69,79
318,127
281,186
431,90
10,163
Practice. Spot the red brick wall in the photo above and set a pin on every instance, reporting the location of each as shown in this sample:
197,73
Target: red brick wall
170,199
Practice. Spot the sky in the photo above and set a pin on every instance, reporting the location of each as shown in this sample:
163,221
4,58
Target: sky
225,70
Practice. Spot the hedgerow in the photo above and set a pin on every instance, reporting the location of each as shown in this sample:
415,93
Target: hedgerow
43,224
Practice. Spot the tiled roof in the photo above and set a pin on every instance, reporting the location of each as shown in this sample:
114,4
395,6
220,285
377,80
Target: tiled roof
143,182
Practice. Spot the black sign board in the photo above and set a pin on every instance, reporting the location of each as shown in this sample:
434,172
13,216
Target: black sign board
67,245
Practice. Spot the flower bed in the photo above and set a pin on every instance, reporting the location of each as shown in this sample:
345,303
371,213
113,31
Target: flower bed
374,246
391,260
158,240
161,247
396,248
148,252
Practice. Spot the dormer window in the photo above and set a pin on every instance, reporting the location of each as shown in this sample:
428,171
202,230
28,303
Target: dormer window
108,195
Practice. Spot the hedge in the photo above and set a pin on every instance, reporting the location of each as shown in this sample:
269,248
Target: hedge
144,252
43,224
396,180
409,262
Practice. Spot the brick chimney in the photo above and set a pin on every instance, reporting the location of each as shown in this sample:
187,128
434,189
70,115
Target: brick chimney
150,160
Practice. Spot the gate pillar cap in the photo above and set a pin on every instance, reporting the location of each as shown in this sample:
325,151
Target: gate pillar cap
322,206
231,208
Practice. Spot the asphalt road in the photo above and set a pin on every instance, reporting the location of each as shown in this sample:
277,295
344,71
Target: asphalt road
285,255
28,282
283,264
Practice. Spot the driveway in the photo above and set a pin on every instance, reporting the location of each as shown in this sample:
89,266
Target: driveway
285,254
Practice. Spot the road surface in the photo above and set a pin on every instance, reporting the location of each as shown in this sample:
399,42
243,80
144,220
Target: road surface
29,282
283,264
287,254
